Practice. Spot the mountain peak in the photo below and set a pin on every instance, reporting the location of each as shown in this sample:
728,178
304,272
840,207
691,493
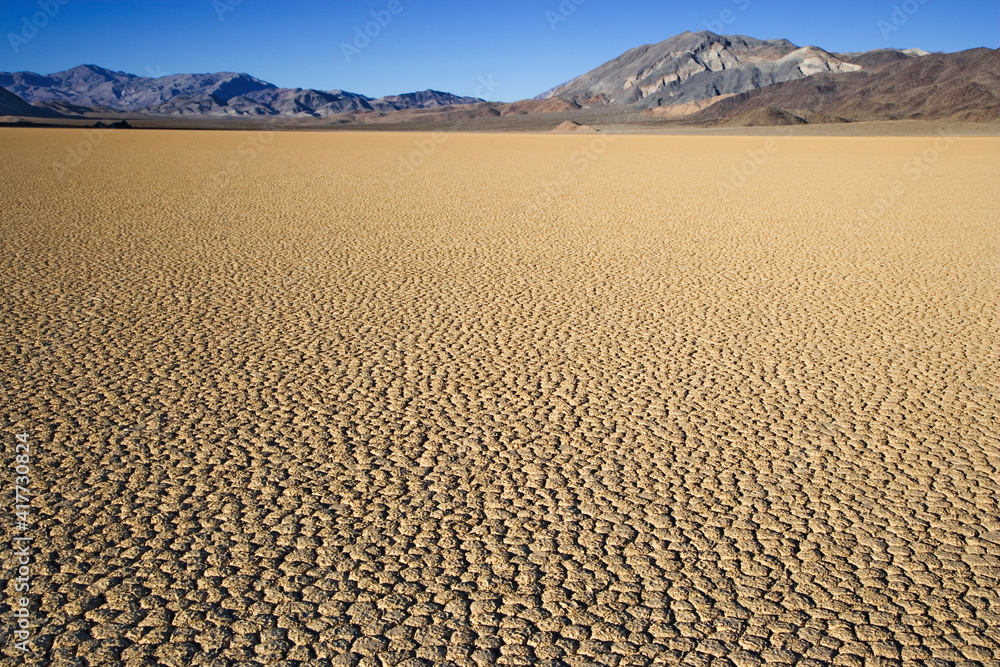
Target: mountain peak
695,66
94,70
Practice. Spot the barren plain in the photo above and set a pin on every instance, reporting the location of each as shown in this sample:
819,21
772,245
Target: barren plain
414,399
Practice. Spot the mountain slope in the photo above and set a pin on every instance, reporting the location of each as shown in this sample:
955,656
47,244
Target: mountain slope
962,86
209,105
425,99
12,105
308,102
696,66
299,102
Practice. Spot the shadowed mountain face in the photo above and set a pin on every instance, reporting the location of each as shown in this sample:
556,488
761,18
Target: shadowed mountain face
696,66
12,105
962,86
92,88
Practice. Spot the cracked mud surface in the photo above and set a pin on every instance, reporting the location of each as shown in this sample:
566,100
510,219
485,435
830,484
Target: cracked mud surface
519,406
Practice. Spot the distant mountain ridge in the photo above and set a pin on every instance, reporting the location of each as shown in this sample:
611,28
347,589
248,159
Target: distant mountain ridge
217,94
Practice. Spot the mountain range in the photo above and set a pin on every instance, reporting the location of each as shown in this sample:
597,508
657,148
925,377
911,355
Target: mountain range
693,77
93,89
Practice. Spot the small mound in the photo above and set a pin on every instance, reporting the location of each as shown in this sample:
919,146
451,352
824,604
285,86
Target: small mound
764,118
572,127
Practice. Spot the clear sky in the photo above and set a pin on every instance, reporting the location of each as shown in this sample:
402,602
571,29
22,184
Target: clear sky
497,49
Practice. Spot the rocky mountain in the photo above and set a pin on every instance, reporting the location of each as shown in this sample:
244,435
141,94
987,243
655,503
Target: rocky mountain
963,86
425,99
208,105
713,79
92,88
299,101
692,67
270,102
12,105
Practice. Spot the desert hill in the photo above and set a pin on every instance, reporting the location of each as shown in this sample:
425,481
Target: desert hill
696,66
962,86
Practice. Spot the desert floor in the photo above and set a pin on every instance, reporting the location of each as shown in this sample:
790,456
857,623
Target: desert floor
295,398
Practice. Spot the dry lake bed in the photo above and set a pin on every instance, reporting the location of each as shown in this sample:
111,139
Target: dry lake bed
423,399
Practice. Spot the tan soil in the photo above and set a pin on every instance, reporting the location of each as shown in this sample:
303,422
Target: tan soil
516,405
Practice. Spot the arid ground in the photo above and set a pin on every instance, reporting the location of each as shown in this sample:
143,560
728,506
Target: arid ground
401,399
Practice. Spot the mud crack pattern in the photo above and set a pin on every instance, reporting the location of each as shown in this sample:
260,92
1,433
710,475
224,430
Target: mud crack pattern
301,408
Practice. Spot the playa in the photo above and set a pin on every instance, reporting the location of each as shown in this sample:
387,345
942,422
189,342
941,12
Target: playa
380,398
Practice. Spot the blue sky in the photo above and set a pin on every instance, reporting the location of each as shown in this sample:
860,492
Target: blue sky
497,49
